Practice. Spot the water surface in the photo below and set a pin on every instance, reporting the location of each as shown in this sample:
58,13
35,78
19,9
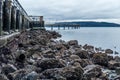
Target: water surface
97,36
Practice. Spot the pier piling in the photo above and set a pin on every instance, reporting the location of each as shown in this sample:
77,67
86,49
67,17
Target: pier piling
7,15
13,18
1,16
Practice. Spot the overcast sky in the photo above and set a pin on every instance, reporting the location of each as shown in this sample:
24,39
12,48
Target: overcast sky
73,9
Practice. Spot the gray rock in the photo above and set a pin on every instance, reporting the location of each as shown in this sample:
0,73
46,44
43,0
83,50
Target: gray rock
92,71
3,77
66,73
100,59
8,69
49,63
113,64
30,76
109,51
82,54
73,42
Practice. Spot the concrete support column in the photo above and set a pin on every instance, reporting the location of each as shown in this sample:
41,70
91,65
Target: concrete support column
28,24
7,15
1,16
13,18
18,20
23,22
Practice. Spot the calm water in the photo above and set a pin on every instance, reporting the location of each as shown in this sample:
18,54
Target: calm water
97,36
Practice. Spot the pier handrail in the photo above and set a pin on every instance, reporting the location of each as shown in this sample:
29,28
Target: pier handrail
19,6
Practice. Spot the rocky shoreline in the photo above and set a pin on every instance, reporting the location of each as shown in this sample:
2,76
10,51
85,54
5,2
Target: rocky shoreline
35,55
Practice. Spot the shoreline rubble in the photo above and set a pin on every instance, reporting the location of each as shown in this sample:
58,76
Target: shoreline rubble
35,55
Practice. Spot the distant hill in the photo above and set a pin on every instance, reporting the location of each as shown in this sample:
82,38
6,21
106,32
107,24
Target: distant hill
93,24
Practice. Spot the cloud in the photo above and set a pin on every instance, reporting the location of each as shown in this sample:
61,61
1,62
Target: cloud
73,9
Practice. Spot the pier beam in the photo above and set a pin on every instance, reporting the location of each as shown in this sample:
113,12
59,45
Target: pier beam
7,15
1,16
13,18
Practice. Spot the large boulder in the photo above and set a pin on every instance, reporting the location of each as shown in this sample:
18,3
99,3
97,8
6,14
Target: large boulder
48,53
23,75
92,71
74,57
4,50
100,59
73,42
82,54
85,62
113,64
49,63
88,47
60,46
109,51
55,34
117,58
67,73
72,73
3,77
8,69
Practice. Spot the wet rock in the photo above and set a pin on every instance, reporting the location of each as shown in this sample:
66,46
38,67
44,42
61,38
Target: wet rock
36,56
20,45
51,74
30,76
49,63
3,77
20,57
92,71
23,75
117,58
117,78
109,51
74,57
73,42
55,34
110,58
3,42
72,73
48,54
100,59
88,47
85,62
82,54
4,50
67,73
117,70
113,64
16,75
116,52
8,69
60,46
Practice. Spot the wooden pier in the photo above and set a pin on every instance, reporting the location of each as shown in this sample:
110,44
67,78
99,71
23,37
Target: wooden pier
63,26
12,17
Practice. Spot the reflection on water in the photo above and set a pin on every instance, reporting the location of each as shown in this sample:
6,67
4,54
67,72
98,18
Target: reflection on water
98,36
